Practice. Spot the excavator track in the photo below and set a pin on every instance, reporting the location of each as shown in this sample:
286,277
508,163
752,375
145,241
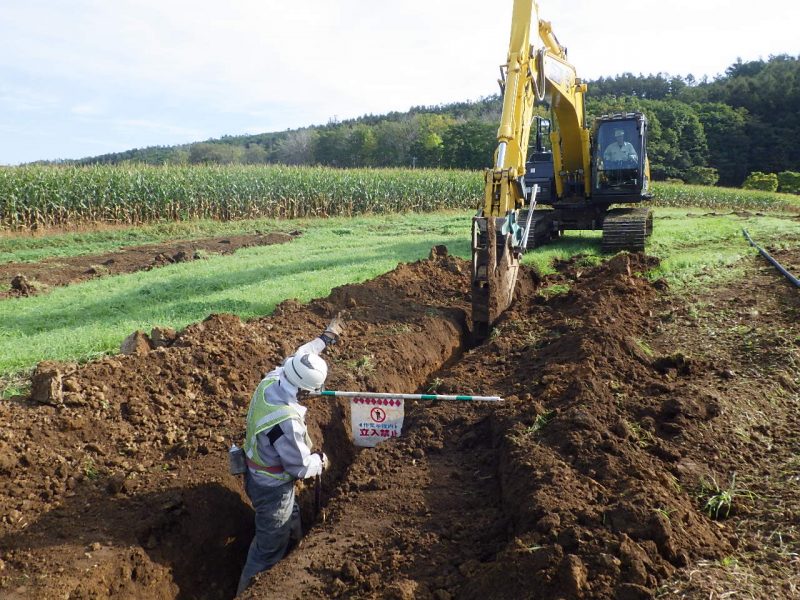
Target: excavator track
627,229
542,230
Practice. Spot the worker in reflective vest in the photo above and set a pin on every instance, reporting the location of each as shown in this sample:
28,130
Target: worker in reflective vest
278,451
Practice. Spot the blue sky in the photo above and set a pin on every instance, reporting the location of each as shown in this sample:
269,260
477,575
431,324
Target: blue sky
87,77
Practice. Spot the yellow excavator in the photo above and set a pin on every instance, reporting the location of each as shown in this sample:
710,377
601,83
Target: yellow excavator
575,172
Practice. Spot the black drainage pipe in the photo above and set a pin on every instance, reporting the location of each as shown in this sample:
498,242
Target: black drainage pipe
792,279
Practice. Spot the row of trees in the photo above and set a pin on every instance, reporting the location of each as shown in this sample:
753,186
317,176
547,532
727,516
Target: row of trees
416,140
746,120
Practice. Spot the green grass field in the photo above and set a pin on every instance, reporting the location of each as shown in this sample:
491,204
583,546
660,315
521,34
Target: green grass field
82,321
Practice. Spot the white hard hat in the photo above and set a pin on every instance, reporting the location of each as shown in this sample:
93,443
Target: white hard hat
306,371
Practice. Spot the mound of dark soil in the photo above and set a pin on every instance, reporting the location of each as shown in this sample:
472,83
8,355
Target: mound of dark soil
126,463
587,465
21,286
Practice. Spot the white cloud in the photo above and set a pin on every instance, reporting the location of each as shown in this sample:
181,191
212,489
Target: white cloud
87,109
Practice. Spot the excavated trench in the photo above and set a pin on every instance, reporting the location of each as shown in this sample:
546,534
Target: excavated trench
568,488
204,532
144,506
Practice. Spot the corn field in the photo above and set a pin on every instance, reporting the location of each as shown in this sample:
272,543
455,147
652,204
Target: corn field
60,196
725,199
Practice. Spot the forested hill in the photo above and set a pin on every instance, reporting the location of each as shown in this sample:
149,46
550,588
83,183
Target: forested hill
745,120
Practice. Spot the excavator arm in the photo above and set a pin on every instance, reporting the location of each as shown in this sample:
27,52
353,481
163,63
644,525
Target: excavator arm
536,69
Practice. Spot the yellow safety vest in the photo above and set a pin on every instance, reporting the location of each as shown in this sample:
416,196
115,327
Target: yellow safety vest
263,416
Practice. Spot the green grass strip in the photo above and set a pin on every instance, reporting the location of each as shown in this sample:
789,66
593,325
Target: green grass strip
86,320
82,321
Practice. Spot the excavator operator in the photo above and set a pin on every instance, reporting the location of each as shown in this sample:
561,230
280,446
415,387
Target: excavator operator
619,153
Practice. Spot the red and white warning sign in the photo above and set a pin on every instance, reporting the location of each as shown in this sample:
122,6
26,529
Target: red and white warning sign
374,420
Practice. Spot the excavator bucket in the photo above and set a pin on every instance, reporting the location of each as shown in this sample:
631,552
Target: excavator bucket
494,273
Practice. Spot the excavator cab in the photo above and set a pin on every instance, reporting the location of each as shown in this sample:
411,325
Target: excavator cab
621,172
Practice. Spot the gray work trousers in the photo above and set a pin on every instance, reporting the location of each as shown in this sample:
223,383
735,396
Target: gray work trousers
277,521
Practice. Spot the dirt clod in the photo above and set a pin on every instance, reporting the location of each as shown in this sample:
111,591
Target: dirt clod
46,384
633,591
350,571
136,343
21,286
405,589
573,575
162,336
548,523
117,484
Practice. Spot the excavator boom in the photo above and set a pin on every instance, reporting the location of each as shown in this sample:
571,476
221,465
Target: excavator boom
499,235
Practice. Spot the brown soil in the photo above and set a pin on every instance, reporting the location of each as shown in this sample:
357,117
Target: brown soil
32,278
586,482
789,260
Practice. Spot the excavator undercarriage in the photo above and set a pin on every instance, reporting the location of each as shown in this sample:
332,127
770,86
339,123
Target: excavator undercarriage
623,228
496,257
627,229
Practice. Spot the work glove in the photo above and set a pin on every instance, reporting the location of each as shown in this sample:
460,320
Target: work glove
325,462
333,330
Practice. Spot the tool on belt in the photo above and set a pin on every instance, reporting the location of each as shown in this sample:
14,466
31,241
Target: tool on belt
236,460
